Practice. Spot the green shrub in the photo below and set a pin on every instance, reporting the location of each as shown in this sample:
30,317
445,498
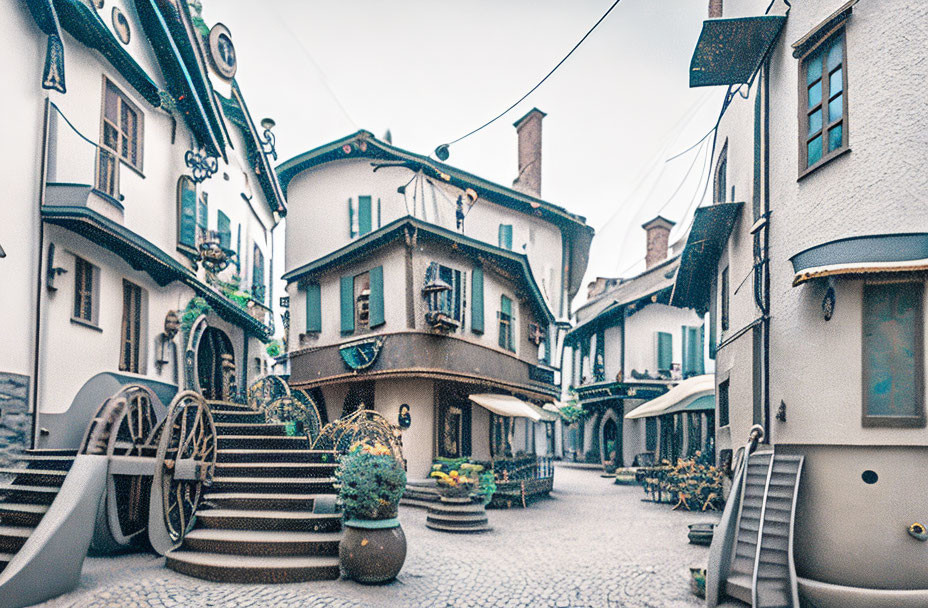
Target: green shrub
370,482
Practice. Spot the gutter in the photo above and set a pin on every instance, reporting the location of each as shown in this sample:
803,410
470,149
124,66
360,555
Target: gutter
43,170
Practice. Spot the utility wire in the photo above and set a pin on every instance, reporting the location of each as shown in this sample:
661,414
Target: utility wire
532,90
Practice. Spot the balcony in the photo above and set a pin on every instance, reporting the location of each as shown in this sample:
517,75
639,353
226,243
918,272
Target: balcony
423,354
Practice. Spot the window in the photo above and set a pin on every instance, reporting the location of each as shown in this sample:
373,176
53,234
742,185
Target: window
131,327
224,229
664,351
506,321
362,304
257,276
313,308
723,403
202,217
893,367
693,364
120,138
476,306
86,288
823,102
721,175
450,302
505,236
187,215
500,436
723,292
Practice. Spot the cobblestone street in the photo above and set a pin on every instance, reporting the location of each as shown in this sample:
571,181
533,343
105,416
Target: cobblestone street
591,544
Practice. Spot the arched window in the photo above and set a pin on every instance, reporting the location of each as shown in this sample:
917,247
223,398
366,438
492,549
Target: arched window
187,214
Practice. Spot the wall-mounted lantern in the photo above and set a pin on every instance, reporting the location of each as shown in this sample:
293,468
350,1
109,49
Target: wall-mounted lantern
269,143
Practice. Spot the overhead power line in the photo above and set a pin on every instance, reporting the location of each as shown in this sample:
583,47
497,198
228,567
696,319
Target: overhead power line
540,82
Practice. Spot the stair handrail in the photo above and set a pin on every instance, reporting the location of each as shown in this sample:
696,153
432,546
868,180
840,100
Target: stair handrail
720,551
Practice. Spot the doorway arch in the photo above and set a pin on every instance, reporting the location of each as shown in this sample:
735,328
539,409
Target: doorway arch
215,362
610,435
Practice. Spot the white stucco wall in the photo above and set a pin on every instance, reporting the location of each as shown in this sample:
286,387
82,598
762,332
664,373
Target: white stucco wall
418,439
641,335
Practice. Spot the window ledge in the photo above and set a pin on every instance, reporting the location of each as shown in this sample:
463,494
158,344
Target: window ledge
822,163
112,200
85,323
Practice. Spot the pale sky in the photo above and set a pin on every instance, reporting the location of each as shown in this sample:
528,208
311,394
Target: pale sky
432,70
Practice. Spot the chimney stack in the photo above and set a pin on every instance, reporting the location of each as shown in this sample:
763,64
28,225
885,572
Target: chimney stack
715,9
529,129
658,231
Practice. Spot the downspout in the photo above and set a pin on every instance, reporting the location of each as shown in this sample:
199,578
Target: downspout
43,171
766,250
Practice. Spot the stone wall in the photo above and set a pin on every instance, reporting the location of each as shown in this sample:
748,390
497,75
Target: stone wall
15,419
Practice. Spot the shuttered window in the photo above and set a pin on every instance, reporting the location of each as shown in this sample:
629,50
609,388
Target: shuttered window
506,321
84,293
186,214
224,228
693,363
131,327
257,276
664,351
364,215
505,236
723,295
313,308
361,215
476,308
362,301
347,304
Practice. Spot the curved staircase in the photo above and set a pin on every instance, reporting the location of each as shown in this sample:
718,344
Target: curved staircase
268,516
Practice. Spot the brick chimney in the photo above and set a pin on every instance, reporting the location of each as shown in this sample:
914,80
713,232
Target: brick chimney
715,9
658,231
529,129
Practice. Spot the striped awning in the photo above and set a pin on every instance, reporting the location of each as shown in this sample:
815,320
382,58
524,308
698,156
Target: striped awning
861,255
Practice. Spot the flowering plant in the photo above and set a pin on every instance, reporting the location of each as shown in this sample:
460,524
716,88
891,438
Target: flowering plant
370,482
462,478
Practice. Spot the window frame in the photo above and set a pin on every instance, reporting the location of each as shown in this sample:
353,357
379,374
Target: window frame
130,342
724,300
919,419
181,245
720,180
723,394
803,108
509,322
93,295
123,98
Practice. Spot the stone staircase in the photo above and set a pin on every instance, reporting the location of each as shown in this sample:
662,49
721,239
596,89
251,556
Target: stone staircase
268,516
27,489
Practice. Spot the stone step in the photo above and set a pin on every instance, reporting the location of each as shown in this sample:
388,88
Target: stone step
37,477
253,569
451,519
250,429
44,461
228,406
283,455
42,495
293,521
275,469
12,538
415,502
21,514
242,500
458,529
51,452
262,543
739,587
240,416
321,485
443,507
261,442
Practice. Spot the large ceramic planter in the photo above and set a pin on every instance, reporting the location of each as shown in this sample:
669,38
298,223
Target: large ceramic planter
372,551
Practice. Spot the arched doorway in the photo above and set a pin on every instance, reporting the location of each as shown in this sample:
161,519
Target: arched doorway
215,362
610,435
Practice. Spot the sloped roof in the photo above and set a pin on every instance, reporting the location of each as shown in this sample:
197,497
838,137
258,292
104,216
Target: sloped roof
363,144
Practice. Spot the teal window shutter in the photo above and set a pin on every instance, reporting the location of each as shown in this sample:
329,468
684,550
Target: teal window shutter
224,228
376,298
187,212
505,323
202,213
476,307
505,236
687,363
700,350
347,304
664,350
364,215
313,308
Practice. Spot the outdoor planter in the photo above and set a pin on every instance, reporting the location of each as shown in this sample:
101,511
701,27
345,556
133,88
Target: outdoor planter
372,551
701,534
370,483
454,513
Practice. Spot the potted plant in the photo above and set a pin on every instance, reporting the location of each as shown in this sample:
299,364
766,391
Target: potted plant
370,484
464,489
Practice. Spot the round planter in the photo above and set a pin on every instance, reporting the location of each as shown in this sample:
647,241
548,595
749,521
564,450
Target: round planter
458,514
372,551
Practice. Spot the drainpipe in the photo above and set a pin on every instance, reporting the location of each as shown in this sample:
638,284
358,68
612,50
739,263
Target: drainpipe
43,171
766,250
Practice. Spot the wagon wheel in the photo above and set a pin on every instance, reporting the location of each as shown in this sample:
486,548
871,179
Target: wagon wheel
184,464
120,428
266,390
312,421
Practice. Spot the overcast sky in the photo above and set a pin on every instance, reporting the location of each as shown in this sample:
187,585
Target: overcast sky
432,70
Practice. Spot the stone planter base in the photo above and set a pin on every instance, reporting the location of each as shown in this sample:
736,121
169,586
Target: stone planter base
457,515
372,552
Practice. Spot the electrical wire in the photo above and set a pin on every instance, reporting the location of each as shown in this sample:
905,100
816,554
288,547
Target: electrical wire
540,82
685,177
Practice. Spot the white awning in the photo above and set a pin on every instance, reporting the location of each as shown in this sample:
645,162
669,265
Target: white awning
505,405
677,398
546,415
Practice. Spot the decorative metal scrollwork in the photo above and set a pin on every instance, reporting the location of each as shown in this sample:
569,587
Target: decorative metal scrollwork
363,425
202,165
